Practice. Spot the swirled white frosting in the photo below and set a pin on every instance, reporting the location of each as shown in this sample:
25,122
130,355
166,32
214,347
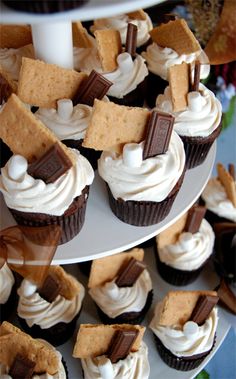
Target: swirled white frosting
6,283
120,23
114,300
182,342
216,200
10,59
201,117
151,180
134,366
37,311
191,250
61,374
34,195
86,59
160,59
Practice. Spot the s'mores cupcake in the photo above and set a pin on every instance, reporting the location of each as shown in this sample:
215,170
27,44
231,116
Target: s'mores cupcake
184,247
121,287
21,356
184,327
50,310
112,351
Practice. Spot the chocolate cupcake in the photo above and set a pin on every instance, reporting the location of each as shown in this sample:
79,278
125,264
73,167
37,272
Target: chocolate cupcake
184,248
184,326
225,251
112,351
51,311
8,293
44,6
24,356
121,287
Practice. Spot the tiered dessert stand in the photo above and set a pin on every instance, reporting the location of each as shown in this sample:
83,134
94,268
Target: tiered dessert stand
103,234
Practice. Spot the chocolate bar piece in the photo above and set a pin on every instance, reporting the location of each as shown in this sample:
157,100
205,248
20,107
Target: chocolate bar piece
5,89
50,288
131,273
169,17
22,367
131,39
203,308
232,170
51,165
121,344
159,130
194,219
94,87
226,296
196,79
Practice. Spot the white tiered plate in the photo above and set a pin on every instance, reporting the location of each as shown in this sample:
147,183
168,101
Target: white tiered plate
91,10
104,234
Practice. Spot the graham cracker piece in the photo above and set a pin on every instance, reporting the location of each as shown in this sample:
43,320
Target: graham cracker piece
105,269
81,38
13,341
179,86
171,234
69,285
25,134
14,36
94,340
114,125
137,15
42,84
227,182
176,35
109,47
177,306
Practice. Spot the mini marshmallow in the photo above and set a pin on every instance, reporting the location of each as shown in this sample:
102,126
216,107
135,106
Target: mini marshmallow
190,329
186,239
132,155
194,101
65,108
28,288
125,62
112,290
17,167
105,367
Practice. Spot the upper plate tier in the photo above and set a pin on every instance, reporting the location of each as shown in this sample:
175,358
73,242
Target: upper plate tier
104,234
91,10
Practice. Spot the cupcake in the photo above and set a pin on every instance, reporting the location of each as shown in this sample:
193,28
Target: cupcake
50,311
141,187
127,74
112,351
184,248
120,23
121,287
44,6
44,182
169,48
219,197
184,327
21,356
198,124
7,294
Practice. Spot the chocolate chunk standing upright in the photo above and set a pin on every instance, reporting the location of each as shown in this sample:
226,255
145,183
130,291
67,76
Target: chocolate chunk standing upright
22,367
130,273
203,308
196,79
194,219
131,39
50,288
51,165
232,170
158,134
94,87
121,344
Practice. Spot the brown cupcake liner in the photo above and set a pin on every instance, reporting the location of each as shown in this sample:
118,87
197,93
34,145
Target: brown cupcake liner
197,148
71,221
143,213
155,86
180,363
133,318
44,6
133,99
91,154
